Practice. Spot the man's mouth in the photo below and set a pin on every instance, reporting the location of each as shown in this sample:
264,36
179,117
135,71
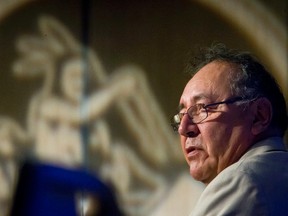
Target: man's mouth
192,151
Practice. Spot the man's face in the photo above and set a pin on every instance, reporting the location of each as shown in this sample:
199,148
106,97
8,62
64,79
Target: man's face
222,138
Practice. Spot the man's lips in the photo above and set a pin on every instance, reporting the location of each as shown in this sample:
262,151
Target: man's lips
192,151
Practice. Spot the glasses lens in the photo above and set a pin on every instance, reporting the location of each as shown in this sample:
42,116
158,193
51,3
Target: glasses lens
197,113
175,127
176,121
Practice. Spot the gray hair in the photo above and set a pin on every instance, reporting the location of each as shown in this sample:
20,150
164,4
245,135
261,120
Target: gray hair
250,81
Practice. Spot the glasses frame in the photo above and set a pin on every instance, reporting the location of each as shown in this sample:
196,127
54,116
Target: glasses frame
175,124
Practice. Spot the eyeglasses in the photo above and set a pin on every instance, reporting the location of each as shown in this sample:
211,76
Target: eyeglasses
199,112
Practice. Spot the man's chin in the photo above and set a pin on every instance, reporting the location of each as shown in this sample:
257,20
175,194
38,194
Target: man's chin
195,172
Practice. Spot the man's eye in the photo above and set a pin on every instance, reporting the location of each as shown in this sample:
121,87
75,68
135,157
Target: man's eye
212,107
202,110
199,108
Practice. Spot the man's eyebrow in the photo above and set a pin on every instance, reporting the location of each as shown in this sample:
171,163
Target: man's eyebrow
200,97
195,100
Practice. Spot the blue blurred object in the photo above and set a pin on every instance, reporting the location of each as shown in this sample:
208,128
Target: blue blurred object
48,190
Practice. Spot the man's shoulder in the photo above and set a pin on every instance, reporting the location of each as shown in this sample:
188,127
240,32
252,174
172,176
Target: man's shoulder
266,160
254,185
262,166
263,172
264,157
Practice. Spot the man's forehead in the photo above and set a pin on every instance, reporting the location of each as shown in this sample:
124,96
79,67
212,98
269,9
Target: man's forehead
209,83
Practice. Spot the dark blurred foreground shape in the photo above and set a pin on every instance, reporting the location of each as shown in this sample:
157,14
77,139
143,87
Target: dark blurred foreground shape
46,190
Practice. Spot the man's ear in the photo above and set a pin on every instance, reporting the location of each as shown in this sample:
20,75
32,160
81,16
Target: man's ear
262,110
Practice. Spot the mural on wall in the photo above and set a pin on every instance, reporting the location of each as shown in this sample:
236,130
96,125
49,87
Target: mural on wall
110,121
139,170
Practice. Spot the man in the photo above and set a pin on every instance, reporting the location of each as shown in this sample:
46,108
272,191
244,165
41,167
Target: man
231,122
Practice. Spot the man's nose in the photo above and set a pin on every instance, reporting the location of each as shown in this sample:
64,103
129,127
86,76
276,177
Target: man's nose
187,128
